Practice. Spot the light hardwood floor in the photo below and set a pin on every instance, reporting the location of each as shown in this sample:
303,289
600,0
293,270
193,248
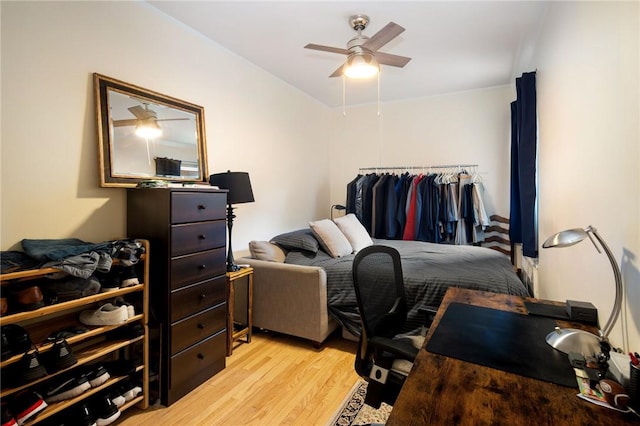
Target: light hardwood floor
274,380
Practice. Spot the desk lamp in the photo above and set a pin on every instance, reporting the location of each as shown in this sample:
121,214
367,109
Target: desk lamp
570,339
239,187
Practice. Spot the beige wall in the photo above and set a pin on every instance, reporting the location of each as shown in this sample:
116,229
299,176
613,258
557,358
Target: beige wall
589,153
459,128
254,122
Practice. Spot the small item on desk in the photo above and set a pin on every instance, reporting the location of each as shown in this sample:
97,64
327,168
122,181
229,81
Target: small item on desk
634,358
243,265
582,311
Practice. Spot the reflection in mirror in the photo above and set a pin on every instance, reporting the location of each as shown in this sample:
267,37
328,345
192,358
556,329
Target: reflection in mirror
145,135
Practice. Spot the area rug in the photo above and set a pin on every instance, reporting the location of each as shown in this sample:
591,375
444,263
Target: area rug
354,411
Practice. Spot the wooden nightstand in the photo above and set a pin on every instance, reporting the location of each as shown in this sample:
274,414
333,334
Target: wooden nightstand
235,333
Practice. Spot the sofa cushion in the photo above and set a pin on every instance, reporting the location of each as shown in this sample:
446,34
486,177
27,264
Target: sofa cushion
302,239
356,234
331,239
264,250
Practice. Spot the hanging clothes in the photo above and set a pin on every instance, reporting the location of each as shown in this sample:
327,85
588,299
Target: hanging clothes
433,207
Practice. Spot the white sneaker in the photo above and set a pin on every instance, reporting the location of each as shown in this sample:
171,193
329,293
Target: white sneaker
107,314
131,311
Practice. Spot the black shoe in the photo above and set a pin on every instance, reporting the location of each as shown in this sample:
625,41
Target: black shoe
7,415
66,387
15,341
60,356
129,331
105,411
26,405
80,415
96,374
121,367
28,369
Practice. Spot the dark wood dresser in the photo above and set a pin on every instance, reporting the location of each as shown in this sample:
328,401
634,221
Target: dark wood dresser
186,230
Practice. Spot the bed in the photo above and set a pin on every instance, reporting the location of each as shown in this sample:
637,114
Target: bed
295,267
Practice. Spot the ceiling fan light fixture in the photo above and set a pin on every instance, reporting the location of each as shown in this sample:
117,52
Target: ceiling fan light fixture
361,65
148,128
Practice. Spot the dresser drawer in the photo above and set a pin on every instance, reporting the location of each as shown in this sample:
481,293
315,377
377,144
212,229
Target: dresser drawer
196,364
199,236
197,267
191,330
197,297
197,207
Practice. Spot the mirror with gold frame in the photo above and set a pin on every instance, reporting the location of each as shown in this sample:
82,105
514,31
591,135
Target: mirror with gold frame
145,135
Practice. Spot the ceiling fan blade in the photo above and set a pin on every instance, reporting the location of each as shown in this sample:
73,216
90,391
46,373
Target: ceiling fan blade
172,119
338,72
327,48
122,123
384,36
393,60
142,113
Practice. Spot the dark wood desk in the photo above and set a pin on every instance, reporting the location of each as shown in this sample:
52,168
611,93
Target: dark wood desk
447,391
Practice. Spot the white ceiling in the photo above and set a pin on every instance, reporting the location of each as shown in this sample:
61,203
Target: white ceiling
455,45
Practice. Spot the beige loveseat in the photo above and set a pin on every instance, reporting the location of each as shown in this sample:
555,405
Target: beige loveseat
290,299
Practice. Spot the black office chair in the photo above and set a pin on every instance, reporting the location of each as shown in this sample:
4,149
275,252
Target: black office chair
383,359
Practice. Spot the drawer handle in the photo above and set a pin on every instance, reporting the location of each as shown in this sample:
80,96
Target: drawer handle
203,296
201,326
202,267
201,356
202,206
202,237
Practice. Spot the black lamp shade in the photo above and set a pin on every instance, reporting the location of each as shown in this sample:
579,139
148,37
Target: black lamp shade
237,183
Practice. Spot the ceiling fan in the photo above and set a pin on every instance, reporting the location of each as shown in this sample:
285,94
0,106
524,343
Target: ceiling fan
143,115
362,51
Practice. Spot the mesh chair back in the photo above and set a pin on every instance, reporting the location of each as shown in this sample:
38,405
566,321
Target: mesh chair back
379,287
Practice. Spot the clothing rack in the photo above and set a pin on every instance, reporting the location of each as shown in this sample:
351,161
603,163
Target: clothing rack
423,168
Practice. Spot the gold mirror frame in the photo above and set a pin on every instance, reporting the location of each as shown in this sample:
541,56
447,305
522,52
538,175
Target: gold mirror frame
178,154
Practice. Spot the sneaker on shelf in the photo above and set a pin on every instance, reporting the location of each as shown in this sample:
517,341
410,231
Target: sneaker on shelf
129,331
66,333
107,314
15,341
60,356
119,301
121,367
116,397
7,415
128,277
80,415
129,390
28,369
96,374
105,411
66,387
26,405
109,281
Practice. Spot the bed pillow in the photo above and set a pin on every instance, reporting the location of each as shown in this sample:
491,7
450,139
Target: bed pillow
302,239
264,250
331,239
356,234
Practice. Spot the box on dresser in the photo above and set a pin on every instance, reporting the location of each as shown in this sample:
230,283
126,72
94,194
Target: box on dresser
186,229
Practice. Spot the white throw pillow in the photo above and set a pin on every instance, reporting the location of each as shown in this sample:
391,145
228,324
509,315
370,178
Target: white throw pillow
356,234
331,239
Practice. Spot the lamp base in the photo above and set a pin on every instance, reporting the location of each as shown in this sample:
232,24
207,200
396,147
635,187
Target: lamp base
573,340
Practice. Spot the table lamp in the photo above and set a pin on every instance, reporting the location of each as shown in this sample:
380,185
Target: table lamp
239,187
570,339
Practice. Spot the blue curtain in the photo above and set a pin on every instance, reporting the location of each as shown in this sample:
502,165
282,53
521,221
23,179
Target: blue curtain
524,135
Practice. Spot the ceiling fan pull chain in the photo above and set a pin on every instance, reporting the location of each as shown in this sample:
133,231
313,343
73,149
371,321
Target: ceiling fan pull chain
378,94
344,98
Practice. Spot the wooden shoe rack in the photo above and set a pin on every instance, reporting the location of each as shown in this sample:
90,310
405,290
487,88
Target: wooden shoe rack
89,347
